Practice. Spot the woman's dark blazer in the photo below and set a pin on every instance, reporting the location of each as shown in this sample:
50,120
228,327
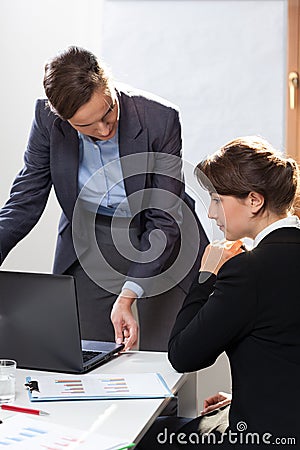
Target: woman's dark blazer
251,310
150,130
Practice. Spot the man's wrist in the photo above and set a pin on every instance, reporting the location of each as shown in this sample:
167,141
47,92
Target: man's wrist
126,297
133,286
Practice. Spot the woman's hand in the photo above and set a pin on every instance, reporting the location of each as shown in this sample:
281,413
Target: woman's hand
216,401
217,253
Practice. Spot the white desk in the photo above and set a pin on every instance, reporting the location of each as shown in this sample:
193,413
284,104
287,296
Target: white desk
127,419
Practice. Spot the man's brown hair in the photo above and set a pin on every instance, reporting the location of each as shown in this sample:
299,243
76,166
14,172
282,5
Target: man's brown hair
71,78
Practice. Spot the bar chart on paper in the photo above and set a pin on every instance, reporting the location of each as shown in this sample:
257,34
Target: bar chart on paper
112,385
95,386
18,433
70,386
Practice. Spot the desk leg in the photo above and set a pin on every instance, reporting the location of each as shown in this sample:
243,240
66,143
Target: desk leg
188,398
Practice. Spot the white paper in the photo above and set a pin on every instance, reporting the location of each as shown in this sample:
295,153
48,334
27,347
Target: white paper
132,385
20,432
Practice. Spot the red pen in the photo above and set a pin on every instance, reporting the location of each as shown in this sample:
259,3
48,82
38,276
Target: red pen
36,412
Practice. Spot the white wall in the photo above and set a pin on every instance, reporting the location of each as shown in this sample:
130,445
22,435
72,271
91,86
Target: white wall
31,31
222,61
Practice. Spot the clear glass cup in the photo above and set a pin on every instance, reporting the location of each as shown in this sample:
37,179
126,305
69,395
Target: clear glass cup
8,369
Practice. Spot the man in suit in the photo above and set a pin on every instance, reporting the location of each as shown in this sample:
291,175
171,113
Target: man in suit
127,230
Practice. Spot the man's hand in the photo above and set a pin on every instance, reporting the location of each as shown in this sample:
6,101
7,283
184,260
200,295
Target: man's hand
216,401
126,328
217,253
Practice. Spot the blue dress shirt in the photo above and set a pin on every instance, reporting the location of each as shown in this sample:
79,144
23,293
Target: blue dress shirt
101,184
100,174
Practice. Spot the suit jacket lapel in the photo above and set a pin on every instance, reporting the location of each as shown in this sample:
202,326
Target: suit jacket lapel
133,146
64,162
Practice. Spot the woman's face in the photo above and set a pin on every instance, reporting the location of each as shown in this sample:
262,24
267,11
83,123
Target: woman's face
232,216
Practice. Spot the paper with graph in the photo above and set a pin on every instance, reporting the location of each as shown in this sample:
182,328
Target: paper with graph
19,432
97,387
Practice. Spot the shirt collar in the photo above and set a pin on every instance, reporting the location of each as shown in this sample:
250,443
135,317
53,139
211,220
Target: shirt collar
85,137
290,221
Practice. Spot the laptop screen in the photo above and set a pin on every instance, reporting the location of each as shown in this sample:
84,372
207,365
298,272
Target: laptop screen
39,325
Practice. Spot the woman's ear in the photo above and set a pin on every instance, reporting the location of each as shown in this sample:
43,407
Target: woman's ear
255,201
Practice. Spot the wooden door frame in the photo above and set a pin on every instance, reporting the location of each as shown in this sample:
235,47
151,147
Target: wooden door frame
293,65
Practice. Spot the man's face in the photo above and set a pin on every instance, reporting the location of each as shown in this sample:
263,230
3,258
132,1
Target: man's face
98,117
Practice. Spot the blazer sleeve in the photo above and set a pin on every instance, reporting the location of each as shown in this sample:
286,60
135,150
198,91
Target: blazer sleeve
215,315
31,187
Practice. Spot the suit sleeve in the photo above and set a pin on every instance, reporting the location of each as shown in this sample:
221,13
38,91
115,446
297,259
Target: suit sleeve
30,189
215,315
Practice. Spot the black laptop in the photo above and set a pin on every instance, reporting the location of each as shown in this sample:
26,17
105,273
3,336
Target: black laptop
39,325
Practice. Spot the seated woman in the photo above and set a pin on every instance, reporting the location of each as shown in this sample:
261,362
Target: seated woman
245,303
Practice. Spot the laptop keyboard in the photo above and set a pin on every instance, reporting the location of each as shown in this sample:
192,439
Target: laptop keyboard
88,354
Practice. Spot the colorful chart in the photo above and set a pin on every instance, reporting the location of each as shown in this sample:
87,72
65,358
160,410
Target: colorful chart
113,385
26,434
22,433
70,386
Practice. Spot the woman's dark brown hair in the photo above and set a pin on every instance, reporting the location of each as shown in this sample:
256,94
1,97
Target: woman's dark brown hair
71,78
250,164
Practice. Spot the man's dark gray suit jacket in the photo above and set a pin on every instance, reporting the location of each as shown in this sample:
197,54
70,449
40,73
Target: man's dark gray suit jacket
149,129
